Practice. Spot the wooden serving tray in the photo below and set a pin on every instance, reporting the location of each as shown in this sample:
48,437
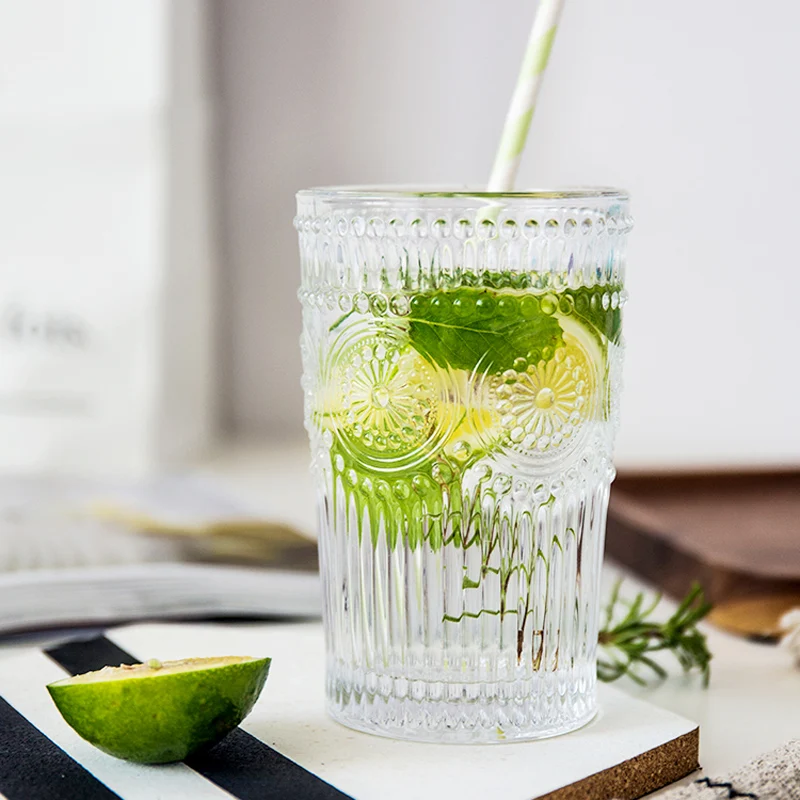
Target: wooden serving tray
737,534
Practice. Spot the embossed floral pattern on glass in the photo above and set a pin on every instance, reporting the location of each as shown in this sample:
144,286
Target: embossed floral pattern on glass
461,376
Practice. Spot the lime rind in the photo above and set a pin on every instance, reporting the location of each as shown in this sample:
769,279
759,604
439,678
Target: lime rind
155,715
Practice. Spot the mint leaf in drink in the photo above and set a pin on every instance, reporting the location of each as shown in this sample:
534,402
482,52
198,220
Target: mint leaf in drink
472,328
407,504
604,321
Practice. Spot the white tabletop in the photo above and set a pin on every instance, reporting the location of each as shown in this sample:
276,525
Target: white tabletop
750,707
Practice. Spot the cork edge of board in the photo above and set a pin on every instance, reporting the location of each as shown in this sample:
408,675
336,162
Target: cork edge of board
637,776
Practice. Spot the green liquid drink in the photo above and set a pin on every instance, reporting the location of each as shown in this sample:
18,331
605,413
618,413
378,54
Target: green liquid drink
461,399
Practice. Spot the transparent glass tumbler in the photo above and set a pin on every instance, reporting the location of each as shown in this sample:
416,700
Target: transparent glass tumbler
462,356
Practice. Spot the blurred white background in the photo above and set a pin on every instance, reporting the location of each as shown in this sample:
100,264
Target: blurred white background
691,105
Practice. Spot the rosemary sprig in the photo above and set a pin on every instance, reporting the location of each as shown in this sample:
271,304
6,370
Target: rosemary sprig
628,642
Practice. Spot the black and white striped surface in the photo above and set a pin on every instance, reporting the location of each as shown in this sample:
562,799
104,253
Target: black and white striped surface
34,766
288,747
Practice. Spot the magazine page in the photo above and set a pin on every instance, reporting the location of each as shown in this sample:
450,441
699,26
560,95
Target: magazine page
75,551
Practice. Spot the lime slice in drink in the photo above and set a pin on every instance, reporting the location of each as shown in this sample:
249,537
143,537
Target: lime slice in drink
477,427
544,406
328,410
583,345
157,712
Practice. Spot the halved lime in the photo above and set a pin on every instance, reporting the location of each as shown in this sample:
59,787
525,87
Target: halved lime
157,712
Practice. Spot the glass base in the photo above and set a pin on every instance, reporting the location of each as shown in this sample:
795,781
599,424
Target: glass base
488,638
462,713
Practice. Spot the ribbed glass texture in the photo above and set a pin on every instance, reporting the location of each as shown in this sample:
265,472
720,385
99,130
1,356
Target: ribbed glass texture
462,358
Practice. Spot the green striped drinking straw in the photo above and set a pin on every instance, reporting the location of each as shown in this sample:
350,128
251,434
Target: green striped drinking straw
523,101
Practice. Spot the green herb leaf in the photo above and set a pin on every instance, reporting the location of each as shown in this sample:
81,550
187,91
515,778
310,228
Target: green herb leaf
470,328
408,502
629,641
605,322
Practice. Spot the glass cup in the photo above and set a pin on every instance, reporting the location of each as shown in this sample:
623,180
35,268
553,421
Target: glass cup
462,355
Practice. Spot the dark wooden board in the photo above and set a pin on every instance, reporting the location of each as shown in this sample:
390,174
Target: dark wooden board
737,534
